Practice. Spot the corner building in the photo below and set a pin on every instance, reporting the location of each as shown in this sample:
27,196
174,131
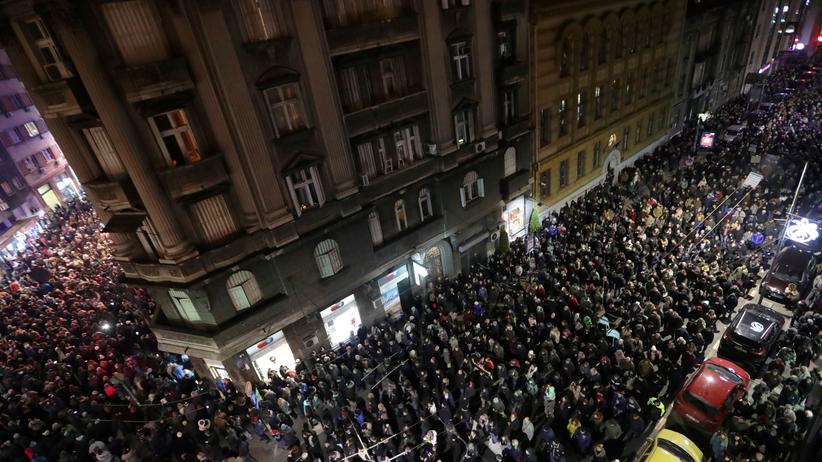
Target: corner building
602,77
278,172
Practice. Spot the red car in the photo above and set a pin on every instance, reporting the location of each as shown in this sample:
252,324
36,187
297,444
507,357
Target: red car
709,395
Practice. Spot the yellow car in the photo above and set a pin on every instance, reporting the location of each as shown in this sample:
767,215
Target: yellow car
670,446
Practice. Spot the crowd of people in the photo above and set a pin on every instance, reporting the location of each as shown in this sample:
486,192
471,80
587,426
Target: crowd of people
568,346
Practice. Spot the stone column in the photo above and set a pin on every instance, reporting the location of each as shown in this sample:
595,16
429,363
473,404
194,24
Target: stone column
131,149
484,60
433,49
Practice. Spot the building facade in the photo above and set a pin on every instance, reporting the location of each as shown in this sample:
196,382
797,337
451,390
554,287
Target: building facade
34,177
602,74
278,172
778,28
712,57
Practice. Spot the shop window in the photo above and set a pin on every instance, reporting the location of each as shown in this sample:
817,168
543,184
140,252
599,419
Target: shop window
545,183
243,290
261,20
328,259
426,211
400,215
285,108
184,306
375,227
175,138
473,188
305,188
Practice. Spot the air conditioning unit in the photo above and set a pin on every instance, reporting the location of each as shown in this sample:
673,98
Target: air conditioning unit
495,236
479,147
431,149
311,341
363,180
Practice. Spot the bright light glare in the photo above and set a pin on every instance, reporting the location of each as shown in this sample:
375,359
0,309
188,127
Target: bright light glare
802,231
105,326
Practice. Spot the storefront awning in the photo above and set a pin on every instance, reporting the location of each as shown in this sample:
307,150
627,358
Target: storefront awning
124,222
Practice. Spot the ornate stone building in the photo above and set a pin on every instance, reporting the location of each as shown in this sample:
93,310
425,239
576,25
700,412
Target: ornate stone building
278,172
602,74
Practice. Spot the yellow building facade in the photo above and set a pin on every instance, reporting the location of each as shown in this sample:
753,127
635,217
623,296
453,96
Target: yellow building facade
602,76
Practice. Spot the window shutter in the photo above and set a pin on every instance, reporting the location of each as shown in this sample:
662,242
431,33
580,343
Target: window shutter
136,29
481,187
462,196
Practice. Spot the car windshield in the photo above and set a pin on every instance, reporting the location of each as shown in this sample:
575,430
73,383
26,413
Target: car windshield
754,327
700,403
674,450
724,373
787,272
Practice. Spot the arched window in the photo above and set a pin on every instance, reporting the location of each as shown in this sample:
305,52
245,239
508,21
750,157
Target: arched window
375,227
473,188
327,255
602,49
510,161
426,211
243,289
584,52
399,214
565,57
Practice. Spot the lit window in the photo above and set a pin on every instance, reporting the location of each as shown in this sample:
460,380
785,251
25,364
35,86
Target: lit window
175,137
563,117
426,211
285,108
243,289
464,126
305,189
581,114
400,215
327,256
185,307
31,129
510,161
473,188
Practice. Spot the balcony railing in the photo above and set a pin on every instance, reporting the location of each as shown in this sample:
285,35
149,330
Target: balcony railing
59,99
193,178
114,195
141,83
376,116
370,35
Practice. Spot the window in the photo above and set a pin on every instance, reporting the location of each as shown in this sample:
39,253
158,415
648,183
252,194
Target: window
243,290
505,45
100,144
31,129
629,96
464,126
400,215
614,94
27,165
461,56
355,86
602,49
426,211
638,134
580,164
661,119
184,306
650,125
563,173
261,20
392,73
510,160
175,138
473,188
137,30
446,4
544,126
46,50
584,52
10,137
375,227
597,153
50,153
306,192
509,105
213,219
565,57
616,42
563,117
581,115
598,102
407,145
17,183
545,183
327,256
6,187
285,108
365,156
626,132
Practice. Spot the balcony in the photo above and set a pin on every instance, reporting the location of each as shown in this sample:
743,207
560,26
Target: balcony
371,35
371,118
59,99
114,195
516,129
382,185
514,71
515,184
193,178
153,80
